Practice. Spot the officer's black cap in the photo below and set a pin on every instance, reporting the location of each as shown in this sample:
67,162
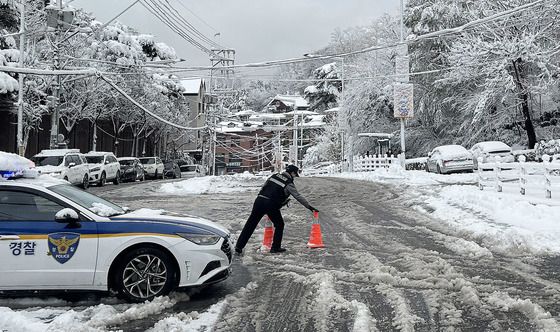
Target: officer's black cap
293,169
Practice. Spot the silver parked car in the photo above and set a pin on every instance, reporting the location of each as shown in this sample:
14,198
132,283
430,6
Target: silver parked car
490,150
448,159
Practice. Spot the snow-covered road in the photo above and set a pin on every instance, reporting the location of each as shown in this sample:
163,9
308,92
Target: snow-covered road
391,262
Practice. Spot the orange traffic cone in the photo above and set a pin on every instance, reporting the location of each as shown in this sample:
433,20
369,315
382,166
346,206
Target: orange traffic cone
316,238
268,234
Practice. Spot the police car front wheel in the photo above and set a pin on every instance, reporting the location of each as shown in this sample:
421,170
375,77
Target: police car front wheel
143,274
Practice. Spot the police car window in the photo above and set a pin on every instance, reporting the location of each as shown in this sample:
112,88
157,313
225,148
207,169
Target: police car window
89,201
17,205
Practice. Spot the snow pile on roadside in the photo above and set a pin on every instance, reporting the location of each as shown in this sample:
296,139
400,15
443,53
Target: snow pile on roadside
193,321
499,220
214,184
396,174
94,318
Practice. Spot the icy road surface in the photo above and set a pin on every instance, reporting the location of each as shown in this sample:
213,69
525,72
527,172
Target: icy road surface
387,266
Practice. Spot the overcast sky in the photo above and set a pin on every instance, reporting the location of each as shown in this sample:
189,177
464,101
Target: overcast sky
258,30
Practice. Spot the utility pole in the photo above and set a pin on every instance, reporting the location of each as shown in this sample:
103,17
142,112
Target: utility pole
403,90
403,147
21,147
56,85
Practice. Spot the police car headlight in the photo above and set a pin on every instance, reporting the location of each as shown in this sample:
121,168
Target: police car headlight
200,239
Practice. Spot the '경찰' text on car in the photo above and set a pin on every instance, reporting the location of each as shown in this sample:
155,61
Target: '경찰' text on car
59,237
489,150
131,169
153,166
103,167
448,159
66,164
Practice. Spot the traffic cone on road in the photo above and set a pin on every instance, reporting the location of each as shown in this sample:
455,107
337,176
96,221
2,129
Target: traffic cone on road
268,234
316,237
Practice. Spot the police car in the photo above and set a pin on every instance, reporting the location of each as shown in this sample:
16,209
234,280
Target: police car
54,236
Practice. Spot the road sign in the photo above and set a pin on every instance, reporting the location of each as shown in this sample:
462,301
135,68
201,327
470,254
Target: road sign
403,94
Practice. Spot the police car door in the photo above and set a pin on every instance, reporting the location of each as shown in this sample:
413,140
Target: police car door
38,252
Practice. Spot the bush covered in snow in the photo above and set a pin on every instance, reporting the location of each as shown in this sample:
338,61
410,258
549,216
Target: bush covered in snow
550,148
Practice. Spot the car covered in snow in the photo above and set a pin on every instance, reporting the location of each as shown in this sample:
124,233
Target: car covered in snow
66,164
489,150
448,159
103,167
153,166
131,169
54,236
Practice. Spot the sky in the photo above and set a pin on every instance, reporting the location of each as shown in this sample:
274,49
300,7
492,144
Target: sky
258,30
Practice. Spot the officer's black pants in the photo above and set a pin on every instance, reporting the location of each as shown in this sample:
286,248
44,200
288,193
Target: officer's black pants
261,207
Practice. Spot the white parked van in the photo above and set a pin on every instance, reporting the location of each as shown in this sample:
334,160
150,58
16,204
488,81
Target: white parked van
66,164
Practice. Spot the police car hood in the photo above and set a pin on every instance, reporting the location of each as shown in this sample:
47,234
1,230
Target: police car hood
166,217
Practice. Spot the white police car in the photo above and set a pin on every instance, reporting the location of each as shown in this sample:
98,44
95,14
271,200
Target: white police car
54,236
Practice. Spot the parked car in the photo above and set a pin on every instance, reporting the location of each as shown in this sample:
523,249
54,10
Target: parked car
66,164
490,150
131,169
171,170
448,159
61,238
191,171
153,166
103,167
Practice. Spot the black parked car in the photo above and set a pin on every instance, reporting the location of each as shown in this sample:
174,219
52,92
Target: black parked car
131,169
171,170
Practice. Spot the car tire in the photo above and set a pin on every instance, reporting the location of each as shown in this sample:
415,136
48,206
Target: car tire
85,182
117,179
138,279
102,180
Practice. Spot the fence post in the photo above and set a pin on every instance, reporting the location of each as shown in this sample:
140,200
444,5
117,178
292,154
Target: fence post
522,174
547,171
497,173
480,176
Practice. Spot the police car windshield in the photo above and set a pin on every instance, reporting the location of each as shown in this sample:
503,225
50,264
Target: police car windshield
47,160
91,202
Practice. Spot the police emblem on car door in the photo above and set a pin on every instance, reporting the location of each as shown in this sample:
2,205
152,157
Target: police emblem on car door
62,246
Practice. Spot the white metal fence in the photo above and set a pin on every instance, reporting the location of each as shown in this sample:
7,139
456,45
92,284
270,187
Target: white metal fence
373,162
361,164
543,177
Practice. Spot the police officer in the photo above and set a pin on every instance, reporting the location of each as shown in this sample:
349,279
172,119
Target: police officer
274,194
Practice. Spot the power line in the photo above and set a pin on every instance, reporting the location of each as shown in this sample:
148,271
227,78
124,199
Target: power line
431,35
155,10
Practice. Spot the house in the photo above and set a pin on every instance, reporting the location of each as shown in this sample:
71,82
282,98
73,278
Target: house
243,146
195,93
286,103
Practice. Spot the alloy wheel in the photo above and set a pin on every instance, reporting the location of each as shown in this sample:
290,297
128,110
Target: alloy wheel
145,276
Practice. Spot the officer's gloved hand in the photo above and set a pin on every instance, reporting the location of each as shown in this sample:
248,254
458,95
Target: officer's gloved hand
312,209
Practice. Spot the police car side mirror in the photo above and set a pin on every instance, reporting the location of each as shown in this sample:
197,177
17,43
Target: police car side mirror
67,215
